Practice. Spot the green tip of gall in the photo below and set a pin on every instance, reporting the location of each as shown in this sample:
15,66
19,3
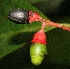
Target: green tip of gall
37,53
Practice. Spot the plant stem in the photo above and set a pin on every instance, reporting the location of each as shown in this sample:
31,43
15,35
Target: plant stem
50,23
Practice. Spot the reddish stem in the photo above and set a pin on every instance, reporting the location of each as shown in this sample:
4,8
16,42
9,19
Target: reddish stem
34,16
50,23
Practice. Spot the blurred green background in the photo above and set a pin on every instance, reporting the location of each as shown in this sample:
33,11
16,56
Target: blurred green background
15,38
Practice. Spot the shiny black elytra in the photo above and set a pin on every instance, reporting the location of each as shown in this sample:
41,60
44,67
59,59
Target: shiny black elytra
19,16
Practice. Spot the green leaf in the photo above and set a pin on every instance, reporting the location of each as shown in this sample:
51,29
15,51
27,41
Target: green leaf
35,1
13,36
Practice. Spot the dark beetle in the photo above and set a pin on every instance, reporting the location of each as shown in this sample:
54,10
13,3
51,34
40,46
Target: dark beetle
19,16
